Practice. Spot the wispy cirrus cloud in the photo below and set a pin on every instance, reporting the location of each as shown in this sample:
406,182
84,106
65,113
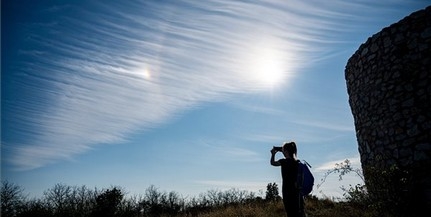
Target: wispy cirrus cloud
102,71
355,162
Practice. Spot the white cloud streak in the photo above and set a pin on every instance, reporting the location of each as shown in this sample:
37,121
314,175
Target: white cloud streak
98,74
355,162
232,184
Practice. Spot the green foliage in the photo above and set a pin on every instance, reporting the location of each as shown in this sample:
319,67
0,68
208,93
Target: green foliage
387,190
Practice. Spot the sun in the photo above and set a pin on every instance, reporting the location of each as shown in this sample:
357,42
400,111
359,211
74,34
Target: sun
265,65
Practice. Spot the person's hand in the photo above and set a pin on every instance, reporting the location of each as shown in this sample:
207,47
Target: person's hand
273,151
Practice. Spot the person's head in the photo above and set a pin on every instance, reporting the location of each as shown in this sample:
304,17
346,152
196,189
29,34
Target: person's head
289,149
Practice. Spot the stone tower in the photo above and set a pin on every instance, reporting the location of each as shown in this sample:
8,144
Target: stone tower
389,86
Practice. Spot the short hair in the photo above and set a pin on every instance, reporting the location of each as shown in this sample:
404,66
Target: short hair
290,147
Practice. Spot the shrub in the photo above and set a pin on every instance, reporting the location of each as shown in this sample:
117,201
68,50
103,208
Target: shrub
272,192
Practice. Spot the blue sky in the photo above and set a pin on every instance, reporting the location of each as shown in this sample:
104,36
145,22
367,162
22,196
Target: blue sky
184,95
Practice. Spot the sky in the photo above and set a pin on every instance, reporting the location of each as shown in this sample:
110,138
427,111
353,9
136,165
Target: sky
188,96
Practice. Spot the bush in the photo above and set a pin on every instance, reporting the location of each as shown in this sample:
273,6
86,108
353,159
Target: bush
107,203
272,192
64,200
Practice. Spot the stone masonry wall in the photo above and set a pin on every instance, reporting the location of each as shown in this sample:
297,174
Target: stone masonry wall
389,86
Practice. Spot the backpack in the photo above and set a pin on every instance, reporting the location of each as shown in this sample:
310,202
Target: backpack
305,179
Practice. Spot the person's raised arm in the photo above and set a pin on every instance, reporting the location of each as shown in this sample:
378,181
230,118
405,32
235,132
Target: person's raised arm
273,162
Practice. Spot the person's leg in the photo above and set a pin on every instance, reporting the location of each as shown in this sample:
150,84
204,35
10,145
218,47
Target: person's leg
285,204
291,205
302,207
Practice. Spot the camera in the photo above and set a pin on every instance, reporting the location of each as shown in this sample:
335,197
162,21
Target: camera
278,148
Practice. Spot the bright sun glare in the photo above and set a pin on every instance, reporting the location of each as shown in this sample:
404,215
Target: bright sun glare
265,65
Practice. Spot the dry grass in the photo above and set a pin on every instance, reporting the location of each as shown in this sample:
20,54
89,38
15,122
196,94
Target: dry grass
266,209
314,208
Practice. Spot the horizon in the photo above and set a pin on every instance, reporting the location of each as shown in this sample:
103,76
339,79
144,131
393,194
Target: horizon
135,94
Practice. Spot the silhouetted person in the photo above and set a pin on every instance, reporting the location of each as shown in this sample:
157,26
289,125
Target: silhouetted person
292,200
